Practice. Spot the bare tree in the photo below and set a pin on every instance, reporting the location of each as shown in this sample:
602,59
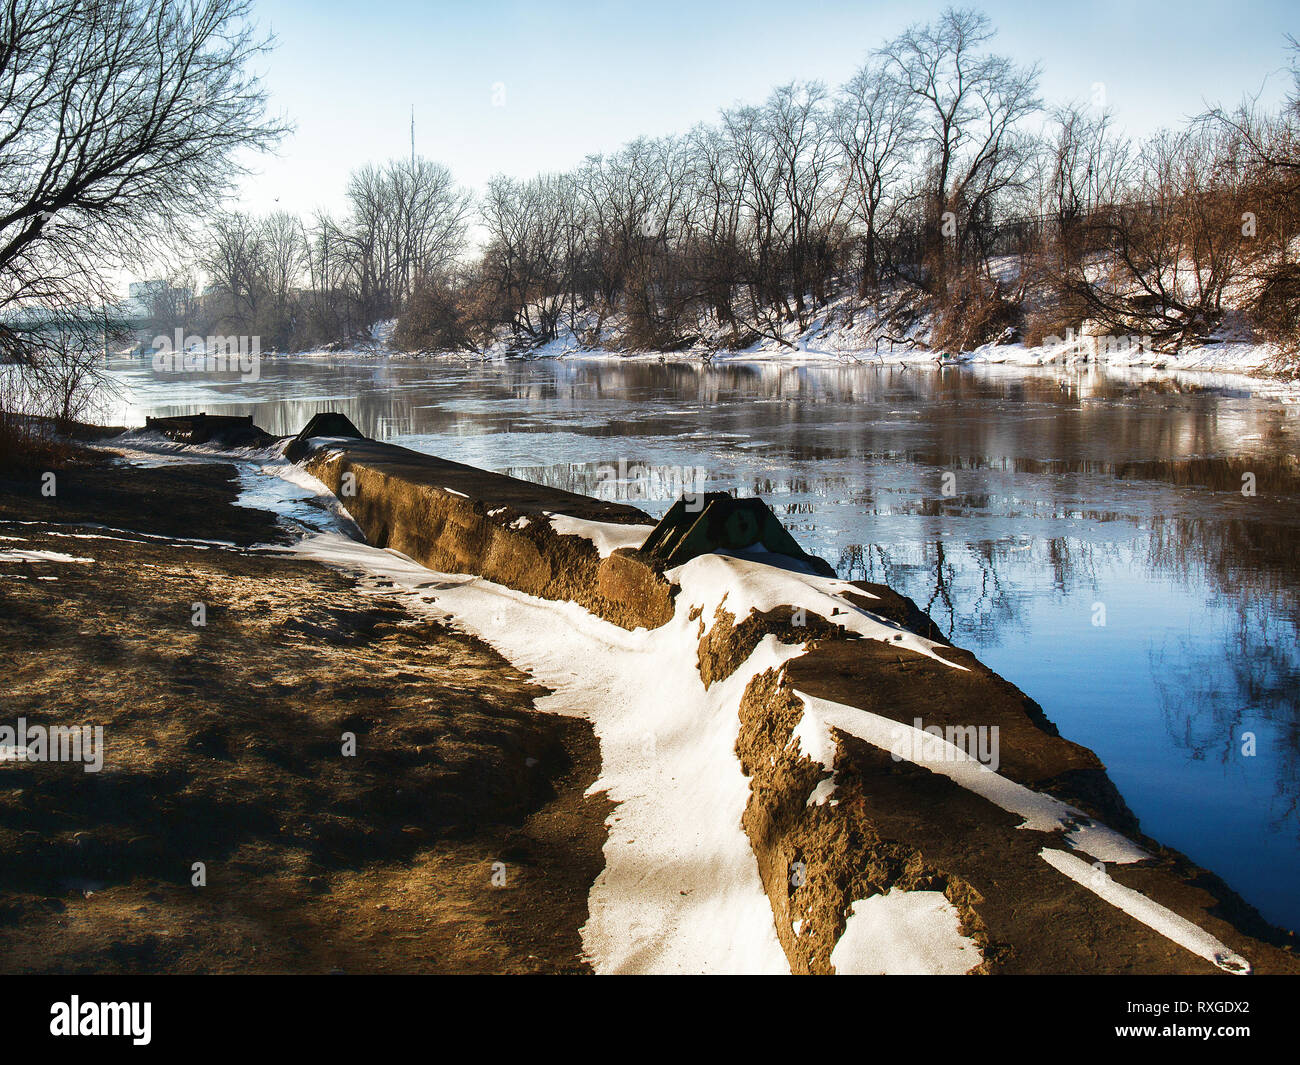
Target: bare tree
798,125
1271,144
1173,249
970,105
236,263
408,220
283,258
119,121
876,126
526,261
1088,169
173,301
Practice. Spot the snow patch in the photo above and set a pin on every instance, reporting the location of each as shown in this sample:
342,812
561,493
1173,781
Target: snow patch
14,555
1041,813
904,933
607,536
745,587
1150,913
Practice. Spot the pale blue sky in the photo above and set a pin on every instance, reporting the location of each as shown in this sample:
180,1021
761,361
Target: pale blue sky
585,77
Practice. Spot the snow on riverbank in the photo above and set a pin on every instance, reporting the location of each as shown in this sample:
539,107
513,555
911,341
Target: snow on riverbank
1152,914
1040,811
904,933
742,587
680,892
846,333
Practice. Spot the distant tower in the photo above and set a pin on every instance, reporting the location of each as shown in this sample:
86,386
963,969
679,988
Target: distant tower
412,136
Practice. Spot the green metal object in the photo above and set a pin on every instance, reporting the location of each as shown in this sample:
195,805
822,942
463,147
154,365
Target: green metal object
327,423
703,523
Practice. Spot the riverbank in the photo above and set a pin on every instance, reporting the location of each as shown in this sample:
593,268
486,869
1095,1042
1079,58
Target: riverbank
846,335
224,744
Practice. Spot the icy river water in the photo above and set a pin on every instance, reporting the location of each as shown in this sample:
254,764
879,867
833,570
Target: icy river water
1091,537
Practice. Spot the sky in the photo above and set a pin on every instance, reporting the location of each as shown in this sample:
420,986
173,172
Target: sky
520,88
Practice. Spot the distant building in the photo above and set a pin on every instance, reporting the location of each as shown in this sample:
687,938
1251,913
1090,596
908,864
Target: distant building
145,298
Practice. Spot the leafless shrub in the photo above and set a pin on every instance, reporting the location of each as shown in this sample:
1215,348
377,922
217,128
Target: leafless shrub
975,310
434,319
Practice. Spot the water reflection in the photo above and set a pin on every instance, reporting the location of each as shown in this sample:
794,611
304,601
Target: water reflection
1068,491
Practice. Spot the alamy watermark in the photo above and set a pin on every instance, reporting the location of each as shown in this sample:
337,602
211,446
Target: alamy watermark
1101,346
77,1018
959,743
626,481
211,354
54,743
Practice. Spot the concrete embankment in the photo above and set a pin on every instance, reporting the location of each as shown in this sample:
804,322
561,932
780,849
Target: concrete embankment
458,519
897,787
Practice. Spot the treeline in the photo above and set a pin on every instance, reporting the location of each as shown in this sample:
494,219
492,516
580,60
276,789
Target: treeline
300,283
934,193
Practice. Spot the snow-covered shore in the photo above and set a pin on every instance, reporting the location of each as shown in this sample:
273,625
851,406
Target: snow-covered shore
1235,364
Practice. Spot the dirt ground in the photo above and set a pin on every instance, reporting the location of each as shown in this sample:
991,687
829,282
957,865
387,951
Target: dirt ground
456,839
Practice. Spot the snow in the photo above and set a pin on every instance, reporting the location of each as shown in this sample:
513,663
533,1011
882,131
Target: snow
904,933
1150,913
607,536
14,555
823,792
743,587
1042,813
680,892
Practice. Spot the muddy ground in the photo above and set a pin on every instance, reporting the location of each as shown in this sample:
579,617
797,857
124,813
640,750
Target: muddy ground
224,745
